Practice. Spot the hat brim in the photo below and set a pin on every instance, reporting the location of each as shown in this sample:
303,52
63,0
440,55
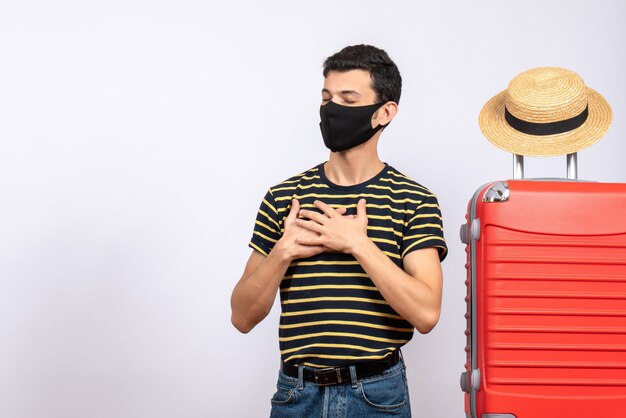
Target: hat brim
501,134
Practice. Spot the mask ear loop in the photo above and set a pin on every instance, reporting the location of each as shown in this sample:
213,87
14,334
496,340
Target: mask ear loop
385,125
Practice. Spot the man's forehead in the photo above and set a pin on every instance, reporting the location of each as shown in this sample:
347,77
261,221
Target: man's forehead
346,82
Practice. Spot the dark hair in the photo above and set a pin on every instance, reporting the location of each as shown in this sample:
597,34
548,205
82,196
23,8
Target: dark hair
386,80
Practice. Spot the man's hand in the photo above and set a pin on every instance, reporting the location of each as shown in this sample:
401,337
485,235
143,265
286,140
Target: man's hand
332,230
293,240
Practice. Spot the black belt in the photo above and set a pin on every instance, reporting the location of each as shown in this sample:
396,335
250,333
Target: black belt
335,375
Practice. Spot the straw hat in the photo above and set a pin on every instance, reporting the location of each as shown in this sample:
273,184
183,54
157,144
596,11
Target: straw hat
545,111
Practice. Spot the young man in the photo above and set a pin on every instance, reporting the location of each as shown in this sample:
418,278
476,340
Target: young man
354,247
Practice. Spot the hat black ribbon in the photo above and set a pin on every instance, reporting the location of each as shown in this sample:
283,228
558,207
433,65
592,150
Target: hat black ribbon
550,128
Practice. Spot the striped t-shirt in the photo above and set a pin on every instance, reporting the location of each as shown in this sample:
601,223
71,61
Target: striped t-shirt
331,312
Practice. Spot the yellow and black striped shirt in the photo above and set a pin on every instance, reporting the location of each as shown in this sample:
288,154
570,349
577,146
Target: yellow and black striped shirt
332,314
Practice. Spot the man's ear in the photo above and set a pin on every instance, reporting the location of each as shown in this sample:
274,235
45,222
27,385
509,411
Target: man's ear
385,113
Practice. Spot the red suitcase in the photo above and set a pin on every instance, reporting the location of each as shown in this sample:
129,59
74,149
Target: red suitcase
546,299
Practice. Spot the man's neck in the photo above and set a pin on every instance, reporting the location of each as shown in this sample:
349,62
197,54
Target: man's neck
353,166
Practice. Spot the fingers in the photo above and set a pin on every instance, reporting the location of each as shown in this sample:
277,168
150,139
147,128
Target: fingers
326,208
295,212
317,217
310,225
295,207
310,251
321,219
360,209
310,241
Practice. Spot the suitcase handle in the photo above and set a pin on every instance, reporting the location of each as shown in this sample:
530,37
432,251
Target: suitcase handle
572,166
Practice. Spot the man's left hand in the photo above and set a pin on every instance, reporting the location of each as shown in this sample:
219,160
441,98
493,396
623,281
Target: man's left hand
337,232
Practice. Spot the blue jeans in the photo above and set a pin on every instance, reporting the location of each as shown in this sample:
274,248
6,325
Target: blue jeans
383,395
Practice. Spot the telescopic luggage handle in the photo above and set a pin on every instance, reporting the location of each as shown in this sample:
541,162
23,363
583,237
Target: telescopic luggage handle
572,166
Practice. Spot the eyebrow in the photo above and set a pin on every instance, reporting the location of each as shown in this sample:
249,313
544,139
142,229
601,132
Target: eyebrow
342,92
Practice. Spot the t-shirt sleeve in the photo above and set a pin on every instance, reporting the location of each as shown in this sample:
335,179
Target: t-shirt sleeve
266,226
424,229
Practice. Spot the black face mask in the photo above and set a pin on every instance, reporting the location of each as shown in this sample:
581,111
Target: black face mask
344,127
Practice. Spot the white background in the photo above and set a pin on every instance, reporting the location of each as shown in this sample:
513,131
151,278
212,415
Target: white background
137,139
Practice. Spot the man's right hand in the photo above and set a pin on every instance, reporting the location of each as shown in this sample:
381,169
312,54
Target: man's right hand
287,243
255,292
